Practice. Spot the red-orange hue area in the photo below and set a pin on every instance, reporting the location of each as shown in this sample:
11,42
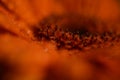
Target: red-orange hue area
23,58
